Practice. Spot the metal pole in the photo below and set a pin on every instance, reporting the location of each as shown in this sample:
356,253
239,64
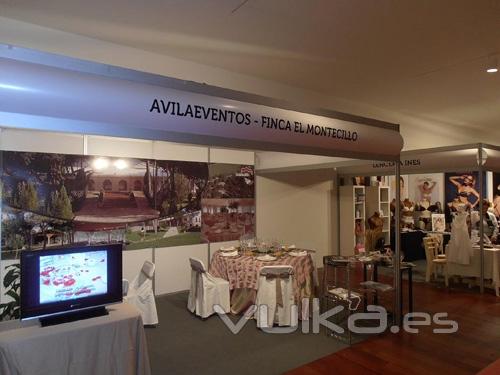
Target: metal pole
397,247
481,216
337,188
209,255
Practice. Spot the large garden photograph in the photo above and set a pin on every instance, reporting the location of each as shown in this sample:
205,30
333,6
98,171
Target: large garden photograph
53,200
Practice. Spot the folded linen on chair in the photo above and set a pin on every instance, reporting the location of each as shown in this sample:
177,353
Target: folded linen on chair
275,298
278,276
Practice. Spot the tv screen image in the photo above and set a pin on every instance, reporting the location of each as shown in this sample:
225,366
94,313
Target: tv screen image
66,280
70,276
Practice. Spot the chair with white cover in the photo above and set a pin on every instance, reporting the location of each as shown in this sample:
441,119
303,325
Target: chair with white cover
207,291
140,293
275,300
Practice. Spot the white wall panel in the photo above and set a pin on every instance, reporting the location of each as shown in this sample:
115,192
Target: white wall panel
223,155
490,189
119,147
38,141
296,207
173,273
133,261
177,151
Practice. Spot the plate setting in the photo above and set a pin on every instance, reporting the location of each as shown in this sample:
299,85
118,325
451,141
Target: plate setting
266,258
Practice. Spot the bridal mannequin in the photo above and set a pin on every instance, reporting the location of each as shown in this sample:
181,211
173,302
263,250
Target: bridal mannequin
460,246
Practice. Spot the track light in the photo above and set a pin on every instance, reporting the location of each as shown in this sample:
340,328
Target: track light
492,66
100,163
120,164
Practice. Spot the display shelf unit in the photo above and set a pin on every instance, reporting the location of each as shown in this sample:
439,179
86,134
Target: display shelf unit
352,213
377,200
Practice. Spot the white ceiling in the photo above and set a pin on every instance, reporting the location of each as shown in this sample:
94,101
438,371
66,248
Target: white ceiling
420,57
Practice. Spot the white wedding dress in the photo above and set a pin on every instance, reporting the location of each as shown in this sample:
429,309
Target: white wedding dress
460,245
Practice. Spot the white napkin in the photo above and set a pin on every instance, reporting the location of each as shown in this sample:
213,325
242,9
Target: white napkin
343,293
298,253
291,247
229,254
227,248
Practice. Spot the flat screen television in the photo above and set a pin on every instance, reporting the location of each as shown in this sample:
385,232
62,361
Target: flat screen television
71,280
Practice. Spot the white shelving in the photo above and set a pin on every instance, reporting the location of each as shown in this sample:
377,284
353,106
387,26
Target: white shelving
352,209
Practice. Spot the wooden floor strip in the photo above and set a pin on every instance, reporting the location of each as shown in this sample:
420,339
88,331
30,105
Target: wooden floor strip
475,346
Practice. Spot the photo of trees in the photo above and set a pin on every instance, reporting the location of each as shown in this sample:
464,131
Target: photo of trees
178,187
56,200
40,193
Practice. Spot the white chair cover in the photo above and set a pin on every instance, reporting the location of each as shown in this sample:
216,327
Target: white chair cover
206,291
141,295
125,285
275,290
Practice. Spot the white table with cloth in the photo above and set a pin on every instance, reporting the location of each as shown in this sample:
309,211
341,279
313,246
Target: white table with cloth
242,272
491,267
107,345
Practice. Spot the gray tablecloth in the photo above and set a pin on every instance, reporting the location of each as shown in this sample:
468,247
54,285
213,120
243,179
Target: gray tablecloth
491,267
112,344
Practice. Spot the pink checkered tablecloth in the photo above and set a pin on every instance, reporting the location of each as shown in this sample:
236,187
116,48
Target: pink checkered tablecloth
243,271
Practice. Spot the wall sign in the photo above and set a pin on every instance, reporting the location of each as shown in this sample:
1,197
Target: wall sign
416,163
42,97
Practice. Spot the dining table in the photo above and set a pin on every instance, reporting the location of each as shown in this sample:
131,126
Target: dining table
473,269
109,344
242,273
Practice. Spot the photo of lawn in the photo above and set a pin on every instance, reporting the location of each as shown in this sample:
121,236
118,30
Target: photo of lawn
137,241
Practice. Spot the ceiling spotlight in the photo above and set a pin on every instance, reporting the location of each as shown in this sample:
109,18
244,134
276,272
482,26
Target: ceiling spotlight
492,66
100,163
120,164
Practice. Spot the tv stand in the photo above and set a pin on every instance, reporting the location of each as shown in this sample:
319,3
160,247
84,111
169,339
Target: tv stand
73,316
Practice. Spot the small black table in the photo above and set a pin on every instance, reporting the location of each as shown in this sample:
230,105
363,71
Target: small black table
404,268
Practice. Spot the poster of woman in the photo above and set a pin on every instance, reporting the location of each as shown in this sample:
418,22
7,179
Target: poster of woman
463,188
426,187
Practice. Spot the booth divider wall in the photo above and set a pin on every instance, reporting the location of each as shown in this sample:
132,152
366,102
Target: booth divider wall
296,207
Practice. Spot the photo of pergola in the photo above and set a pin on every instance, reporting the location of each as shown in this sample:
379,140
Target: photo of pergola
228,205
